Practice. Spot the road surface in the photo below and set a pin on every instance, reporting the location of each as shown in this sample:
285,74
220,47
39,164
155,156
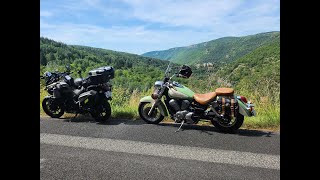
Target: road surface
124,149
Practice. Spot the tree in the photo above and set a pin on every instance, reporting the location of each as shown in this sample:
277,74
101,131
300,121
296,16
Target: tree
43,59
51,57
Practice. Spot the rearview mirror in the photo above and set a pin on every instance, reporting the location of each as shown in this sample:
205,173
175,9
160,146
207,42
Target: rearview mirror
68,68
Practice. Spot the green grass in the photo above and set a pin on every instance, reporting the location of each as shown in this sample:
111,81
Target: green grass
268,117
266,97
129,108
127,112
125,104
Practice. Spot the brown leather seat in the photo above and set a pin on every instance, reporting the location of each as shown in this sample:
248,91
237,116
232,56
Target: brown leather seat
224,91
204,98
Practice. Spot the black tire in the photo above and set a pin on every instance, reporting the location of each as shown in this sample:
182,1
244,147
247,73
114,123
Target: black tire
156,116
231,129
103,112
52,108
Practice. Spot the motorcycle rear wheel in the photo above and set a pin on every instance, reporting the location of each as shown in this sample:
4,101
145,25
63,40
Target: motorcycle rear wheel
232,128
52,108
155,118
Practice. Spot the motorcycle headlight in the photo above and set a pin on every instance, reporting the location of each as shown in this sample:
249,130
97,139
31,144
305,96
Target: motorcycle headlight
154,96
155,93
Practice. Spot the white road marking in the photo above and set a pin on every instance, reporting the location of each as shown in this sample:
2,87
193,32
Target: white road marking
165,150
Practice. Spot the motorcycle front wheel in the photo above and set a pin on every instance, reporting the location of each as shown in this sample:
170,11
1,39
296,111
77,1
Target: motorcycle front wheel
103,112
52,108
231,127
155,118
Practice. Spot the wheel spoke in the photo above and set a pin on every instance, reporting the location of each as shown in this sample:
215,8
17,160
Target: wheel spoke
154,114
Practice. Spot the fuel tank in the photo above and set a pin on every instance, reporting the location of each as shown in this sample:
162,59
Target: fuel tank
178,91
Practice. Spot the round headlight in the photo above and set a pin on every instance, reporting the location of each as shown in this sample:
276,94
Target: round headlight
154,96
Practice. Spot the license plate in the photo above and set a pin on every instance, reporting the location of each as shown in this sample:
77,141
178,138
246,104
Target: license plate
108,94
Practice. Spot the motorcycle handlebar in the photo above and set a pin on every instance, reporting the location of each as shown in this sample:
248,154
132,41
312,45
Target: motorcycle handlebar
166,79
179,75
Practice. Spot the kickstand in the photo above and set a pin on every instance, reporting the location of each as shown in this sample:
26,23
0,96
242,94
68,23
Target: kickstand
75,116
180,126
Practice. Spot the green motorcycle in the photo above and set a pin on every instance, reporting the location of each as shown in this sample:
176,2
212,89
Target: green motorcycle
225,110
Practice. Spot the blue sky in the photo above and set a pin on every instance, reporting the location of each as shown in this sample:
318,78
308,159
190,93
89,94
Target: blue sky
139,26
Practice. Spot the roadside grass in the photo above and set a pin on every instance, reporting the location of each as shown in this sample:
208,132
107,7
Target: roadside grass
267,106
268,117
125,104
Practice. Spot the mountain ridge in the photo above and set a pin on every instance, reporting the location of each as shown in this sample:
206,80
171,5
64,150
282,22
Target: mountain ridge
224,49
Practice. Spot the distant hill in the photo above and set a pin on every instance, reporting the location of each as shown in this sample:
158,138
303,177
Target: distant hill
60,53
225,49
257,74
262,63
132,71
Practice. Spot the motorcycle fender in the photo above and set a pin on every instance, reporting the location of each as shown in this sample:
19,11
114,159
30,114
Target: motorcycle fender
161,106
243,109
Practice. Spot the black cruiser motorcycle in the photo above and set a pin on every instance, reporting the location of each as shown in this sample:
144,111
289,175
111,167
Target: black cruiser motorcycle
80,95
225,110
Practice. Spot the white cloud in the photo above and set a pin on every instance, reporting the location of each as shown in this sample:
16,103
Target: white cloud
223,17
79,7
188,13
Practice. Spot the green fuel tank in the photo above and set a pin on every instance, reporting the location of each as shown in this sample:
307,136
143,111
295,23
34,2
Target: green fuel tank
178,91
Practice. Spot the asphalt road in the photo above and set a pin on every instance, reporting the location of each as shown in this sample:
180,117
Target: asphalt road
124,149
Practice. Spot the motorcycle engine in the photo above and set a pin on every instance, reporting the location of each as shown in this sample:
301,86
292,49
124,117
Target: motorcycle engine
182,111
179,105
180,115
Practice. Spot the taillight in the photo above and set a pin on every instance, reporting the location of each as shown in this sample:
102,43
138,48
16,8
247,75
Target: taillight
244,99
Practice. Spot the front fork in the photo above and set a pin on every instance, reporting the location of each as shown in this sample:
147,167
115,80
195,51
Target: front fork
154,104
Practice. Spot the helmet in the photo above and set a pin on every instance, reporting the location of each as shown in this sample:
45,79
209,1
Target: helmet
185,72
